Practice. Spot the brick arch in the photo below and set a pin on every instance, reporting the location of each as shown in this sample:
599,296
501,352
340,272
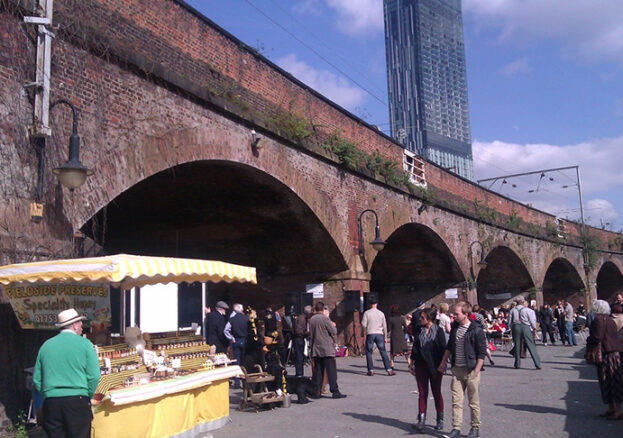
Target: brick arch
609,281
215,209
506,276
416,264
225,141
562,280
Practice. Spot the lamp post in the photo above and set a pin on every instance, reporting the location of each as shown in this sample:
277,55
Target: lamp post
481,263
72,173
378,244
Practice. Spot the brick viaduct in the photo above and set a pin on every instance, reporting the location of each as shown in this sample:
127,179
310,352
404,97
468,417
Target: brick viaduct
167,103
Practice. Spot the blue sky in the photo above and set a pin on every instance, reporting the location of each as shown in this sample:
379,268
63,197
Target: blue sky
545,84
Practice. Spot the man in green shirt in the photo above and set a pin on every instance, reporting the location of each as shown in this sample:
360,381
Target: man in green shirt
66,374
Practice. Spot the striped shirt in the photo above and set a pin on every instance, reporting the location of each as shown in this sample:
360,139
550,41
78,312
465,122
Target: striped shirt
459,359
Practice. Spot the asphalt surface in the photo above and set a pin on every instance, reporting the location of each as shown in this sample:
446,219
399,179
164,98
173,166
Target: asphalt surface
561,400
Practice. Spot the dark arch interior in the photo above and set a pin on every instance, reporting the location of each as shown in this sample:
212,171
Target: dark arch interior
504,277
562,281
609,282
416,264
223,211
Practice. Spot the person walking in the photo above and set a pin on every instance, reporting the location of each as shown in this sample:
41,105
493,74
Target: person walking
568,315
301,333
215,327
429,344
467,347
397,328
322,331
522,321
375,326
603,335
66,374
546,320
236,330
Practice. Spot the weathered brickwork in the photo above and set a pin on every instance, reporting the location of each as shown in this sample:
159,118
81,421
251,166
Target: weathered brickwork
158,86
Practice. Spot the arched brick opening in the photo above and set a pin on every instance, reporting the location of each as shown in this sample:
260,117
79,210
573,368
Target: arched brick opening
562,280
504,277
222,210
609,282
416,264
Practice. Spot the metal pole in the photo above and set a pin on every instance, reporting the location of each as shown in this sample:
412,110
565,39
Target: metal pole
577,170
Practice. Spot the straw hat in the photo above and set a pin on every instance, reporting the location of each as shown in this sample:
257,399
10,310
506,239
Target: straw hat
68,317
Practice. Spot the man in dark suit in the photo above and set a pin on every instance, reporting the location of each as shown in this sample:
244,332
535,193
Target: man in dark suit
215,326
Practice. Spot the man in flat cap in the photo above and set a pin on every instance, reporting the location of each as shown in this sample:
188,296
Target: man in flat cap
66,374
215,327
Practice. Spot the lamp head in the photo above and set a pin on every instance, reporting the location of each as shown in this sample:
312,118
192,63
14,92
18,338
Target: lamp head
72,173
378,244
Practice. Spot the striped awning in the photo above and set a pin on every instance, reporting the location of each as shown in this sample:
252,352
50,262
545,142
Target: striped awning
126,271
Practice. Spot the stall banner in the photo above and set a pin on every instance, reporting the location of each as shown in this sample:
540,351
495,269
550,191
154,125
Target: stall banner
36,305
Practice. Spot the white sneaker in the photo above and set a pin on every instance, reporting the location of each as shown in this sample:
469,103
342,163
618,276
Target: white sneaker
545,344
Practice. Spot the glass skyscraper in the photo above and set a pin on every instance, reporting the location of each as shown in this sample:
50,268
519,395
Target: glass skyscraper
427,82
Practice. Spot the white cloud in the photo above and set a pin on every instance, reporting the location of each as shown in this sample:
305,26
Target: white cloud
307,6
325,82
599,162
358,17
601,209
517,67
588,29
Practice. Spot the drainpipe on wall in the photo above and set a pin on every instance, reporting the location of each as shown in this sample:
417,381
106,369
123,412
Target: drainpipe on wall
40,130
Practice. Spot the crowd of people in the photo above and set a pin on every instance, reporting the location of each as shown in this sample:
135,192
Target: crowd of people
429,338
270,340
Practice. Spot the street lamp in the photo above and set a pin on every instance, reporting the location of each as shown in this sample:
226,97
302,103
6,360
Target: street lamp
378,244
72,173
481,263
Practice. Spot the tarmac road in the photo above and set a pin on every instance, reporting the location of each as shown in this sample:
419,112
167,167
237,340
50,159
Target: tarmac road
561,400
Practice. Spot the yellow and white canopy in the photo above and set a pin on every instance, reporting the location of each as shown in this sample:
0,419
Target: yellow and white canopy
126,271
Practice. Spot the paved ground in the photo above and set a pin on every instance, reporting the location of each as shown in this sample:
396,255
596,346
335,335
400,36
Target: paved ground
560,401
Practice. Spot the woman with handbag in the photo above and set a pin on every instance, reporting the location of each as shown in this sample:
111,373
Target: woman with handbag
603,348
429,344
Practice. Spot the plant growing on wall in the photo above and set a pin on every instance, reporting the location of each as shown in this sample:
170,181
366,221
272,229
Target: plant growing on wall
590,244
346,151
290,124
513,220
484,212
471,283
550,229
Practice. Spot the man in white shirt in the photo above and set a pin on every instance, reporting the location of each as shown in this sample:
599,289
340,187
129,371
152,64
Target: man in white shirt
375,326
568,313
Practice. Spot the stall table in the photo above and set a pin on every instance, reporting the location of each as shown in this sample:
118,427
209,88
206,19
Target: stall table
178,407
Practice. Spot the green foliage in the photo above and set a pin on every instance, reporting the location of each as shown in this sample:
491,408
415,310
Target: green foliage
533,229
616,244
290,124
591,244
471,283
346,151
374,162
513,220
19,427
550,229
484,212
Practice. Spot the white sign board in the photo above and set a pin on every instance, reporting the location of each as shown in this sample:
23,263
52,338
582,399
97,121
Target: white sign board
159,308
316,289
452,293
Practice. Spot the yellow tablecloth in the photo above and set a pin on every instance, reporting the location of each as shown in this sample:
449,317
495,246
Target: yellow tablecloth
199,408
180,414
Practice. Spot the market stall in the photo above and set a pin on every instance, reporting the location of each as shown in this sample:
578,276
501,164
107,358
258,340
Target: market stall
182,389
